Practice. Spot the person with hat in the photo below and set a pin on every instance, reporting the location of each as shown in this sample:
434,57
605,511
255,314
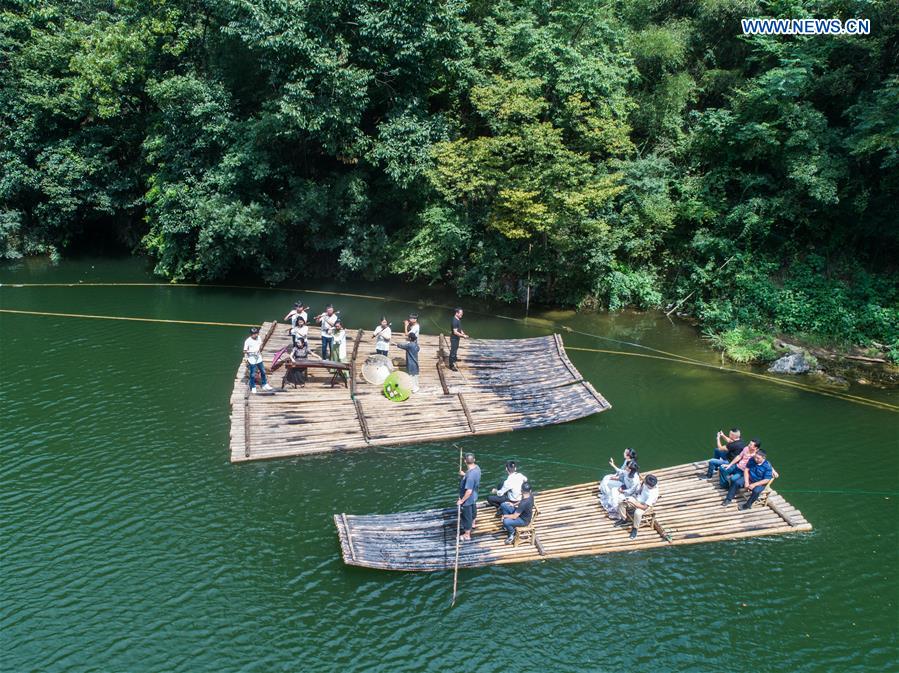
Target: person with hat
468,496
411,326
638,501
510,489
412,348
520,515
252,351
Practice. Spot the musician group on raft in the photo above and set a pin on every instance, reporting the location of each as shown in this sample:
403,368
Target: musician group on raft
625,495
333,344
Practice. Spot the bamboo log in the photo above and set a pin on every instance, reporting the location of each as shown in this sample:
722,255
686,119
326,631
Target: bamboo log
349,536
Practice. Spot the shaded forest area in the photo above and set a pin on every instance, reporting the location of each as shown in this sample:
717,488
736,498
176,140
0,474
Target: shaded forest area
629,153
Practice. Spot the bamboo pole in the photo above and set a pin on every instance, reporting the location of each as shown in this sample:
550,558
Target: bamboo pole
458,538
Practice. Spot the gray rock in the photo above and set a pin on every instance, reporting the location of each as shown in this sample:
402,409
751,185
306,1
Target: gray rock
794,363
783,345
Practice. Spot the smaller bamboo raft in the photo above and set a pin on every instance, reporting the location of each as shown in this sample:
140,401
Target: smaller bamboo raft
571,522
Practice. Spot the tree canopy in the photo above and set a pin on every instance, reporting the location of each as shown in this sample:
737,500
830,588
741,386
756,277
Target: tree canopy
630,153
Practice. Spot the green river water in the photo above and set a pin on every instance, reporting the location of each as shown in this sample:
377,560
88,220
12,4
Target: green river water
129,543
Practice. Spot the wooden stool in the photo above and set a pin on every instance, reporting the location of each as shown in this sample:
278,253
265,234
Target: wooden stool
649,515
763,496
527,533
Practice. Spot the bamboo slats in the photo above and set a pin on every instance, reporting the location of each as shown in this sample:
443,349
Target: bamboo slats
500,385
571,523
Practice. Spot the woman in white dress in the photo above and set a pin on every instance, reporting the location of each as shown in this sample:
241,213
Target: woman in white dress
614,487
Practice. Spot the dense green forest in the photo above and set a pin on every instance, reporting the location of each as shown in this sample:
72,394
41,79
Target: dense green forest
623,153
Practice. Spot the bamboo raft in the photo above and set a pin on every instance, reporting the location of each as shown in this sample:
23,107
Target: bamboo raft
571,522
501,385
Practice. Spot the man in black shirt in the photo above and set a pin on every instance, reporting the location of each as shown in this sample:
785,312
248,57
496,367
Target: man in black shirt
455,335
729,447
514,517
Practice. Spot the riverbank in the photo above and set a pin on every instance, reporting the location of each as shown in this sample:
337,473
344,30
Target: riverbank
826,366
829,367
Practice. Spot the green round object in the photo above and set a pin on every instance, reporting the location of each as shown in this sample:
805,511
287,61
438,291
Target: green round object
398,387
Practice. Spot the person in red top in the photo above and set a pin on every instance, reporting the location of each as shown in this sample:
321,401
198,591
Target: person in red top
738,464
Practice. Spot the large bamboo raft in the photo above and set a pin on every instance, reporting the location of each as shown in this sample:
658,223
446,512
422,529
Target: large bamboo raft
571,522
501,385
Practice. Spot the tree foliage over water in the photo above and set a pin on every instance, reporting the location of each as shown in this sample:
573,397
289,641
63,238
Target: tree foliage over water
629,153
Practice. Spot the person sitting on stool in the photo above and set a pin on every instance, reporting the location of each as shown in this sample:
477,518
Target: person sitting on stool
510,489
515,517
638,501
754,478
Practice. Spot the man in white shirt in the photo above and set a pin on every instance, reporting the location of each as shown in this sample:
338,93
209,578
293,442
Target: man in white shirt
411,326
298,311
327,320
252,351
510,489
640,499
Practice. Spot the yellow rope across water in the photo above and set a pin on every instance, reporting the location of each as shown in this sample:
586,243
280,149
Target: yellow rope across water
846,397
538,322
119,317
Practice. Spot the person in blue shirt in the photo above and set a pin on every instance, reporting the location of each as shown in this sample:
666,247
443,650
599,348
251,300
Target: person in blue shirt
412,348
757,473
468,496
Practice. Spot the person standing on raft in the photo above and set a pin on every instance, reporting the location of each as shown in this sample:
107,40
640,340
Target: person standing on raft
252,351
383,335
298,311
327,320
411,326
338,350
468,496
455,335
412,348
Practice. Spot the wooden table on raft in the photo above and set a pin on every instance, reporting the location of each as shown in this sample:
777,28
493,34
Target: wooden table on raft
338,367
571,523
501,385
